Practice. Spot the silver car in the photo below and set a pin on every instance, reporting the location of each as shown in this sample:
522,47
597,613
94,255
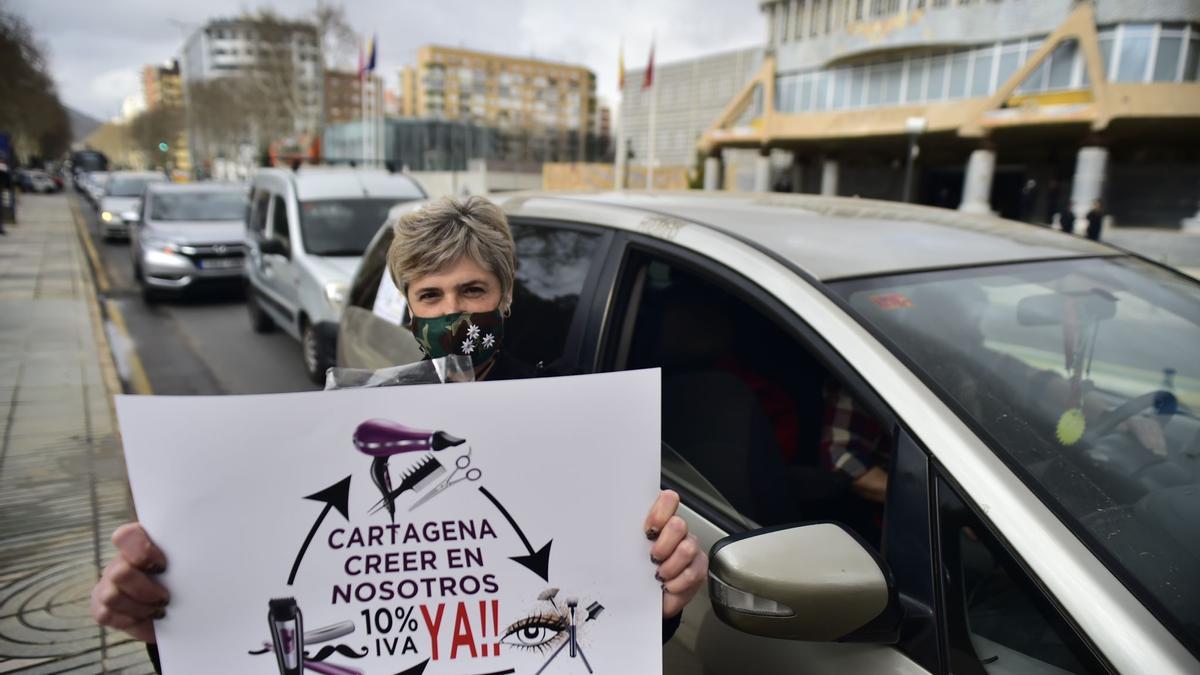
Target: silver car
1030,396
188,235
122,200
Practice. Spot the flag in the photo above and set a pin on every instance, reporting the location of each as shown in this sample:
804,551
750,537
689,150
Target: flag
371,48
648,81
366,61
621,68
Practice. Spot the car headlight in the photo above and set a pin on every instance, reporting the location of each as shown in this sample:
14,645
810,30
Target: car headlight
162,245
106,217
335,294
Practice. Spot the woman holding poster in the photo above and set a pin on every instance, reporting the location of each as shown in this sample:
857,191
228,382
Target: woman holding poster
454,260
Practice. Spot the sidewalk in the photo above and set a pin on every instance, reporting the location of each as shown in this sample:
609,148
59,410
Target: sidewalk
62,474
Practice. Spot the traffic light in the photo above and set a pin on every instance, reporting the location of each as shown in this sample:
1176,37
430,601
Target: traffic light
163,147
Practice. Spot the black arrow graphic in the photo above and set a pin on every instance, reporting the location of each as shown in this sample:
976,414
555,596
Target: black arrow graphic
537,561
336,496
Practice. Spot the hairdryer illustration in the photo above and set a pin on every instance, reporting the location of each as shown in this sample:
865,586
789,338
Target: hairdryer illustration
382,439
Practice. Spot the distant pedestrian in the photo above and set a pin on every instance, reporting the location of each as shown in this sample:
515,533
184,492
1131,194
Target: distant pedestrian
1029,196
1095,219
1066,220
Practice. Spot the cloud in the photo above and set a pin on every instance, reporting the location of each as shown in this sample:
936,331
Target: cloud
95,46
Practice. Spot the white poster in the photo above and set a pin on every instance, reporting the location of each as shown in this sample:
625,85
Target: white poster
465,529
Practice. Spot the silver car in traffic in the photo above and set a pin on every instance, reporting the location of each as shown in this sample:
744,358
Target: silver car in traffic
122,200
187,235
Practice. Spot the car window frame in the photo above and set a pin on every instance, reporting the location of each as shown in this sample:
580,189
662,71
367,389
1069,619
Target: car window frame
954,626
571,360
278,200
619,307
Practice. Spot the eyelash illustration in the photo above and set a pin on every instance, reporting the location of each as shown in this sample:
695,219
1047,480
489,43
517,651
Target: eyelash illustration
535,632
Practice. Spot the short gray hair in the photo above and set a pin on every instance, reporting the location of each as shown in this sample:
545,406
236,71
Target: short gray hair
444,231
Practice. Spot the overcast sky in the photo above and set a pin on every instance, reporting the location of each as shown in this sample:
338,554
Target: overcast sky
97,48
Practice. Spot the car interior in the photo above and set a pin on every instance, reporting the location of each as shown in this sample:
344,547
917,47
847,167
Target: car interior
742,400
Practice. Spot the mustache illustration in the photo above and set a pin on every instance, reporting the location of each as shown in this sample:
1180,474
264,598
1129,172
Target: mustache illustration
324,652
329,650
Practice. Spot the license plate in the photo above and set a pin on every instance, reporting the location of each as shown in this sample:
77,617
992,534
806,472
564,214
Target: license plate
220,263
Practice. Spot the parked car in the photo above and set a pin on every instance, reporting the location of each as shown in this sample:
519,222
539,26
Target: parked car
1020,534
306,231
122,200
40,181
188,235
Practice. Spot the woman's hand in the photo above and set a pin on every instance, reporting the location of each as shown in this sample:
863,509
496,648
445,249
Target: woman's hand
682,566
127,596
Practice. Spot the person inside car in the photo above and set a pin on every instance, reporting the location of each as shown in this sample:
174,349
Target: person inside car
454,260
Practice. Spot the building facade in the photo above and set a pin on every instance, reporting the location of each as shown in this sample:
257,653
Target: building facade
1021,107
343,97
280,60
691,95
162,87
545,108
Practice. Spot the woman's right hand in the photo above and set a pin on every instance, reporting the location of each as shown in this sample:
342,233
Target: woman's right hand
128,596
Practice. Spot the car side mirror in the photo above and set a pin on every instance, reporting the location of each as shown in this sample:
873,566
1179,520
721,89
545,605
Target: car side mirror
273,247
813,583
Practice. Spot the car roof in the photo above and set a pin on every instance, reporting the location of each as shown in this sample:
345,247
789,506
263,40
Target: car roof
137,174
839,237
318,182
202,186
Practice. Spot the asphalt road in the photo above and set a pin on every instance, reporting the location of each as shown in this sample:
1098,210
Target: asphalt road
200,344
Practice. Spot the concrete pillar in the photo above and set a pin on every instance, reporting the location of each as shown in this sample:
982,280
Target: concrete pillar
1091,165
977,185
829,177
762,173
712,173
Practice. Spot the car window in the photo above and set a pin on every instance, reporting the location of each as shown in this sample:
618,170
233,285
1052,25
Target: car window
999,621
258,212
128,186
342,227
1084,377
746,404
279,220
198,206
552,266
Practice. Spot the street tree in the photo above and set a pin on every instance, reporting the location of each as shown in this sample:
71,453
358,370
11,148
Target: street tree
29,108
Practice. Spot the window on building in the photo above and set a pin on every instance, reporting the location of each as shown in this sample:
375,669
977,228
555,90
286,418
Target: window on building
1136,42
981,72
915,85
958,75
936,83
1166,61
1062,65
1191,66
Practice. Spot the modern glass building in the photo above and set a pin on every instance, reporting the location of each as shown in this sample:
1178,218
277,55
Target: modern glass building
1021,107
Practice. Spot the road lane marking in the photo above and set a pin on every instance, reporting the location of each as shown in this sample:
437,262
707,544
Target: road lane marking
99,271
124,350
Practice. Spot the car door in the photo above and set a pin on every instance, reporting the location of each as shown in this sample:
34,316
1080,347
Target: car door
279,285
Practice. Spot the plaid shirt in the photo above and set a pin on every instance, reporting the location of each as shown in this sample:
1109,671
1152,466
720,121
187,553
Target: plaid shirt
852,441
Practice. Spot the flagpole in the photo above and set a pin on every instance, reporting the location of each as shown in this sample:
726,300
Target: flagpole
362,126
653,133
653,119
619,156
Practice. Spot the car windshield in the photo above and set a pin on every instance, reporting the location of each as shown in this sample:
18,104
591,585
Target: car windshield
224,205
1084,376
127,186
342,227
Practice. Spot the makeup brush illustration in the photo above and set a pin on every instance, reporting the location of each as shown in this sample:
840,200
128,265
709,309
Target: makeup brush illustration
382,439
548,595
572,603
593,610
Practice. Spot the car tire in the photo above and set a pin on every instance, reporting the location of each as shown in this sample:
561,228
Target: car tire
315,360
260,321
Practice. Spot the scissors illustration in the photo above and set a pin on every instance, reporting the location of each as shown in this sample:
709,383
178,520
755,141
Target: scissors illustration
459,464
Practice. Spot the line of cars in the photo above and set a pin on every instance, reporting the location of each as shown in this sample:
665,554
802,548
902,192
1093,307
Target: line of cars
292,238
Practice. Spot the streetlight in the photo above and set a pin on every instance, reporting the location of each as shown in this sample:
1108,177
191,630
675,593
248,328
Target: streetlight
915,126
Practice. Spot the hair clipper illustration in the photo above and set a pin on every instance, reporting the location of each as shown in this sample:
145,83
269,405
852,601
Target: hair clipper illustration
287,635
381,439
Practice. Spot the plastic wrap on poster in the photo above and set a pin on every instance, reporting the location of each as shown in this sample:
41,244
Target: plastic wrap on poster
452,368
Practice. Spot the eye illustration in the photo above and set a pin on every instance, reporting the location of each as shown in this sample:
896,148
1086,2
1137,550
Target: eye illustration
535,632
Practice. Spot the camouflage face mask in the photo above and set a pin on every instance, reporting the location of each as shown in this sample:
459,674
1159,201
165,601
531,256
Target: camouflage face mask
475,335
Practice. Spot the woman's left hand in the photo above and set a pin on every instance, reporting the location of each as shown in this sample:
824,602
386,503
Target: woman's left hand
682,566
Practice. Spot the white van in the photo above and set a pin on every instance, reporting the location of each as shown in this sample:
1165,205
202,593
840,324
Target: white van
305,234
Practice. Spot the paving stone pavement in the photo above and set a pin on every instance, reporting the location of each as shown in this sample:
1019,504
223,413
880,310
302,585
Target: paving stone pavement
62,473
